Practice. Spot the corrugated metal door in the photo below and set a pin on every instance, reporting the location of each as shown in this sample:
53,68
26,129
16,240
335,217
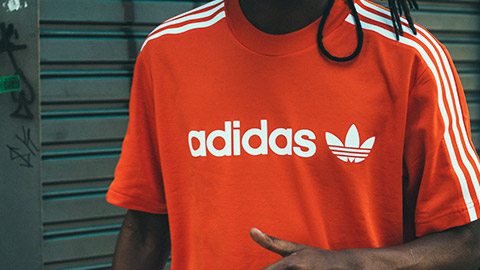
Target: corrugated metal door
457,25
87,52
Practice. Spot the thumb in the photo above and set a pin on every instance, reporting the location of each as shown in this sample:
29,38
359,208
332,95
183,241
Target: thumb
279,246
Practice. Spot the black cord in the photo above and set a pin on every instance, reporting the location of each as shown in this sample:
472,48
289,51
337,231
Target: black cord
358,28
397,7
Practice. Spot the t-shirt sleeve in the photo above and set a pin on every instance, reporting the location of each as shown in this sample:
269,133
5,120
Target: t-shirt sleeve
440,162
137,183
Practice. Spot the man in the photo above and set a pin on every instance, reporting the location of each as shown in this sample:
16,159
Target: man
358,157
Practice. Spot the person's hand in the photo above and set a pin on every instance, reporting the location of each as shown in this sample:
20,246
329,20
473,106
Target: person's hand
297,256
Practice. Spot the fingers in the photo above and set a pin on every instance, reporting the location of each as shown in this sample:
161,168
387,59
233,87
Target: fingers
279,246
281,265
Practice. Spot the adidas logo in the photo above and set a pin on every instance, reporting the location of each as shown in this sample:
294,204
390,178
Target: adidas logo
352,151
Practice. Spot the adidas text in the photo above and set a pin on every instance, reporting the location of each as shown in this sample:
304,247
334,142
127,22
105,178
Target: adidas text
299,143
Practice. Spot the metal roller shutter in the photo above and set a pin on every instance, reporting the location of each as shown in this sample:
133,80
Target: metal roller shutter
87,52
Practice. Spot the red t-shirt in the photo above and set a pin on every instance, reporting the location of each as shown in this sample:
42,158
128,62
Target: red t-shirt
232,128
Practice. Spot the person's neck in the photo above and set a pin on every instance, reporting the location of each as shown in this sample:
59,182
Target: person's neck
282,16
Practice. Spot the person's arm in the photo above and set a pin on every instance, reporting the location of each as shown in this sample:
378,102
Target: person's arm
143,242
456,248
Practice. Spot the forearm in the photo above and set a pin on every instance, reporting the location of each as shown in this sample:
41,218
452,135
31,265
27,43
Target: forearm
143,242
457,248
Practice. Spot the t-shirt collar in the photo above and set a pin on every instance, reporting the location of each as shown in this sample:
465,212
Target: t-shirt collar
275,45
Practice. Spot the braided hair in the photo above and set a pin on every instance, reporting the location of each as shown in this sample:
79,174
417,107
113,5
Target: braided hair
397,7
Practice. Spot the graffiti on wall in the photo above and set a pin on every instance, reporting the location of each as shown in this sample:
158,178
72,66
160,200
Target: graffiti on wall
24,98
24,149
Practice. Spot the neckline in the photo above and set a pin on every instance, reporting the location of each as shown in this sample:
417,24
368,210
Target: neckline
276,45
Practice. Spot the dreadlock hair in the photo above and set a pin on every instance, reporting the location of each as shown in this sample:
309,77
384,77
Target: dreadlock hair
397,7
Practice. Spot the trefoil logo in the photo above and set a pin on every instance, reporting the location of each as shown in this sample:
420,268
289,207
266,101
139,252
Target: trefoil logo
351,151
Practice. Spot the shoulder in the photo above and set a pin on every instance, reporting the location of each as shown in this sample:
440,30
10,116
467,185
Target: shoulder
202,17
376,21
